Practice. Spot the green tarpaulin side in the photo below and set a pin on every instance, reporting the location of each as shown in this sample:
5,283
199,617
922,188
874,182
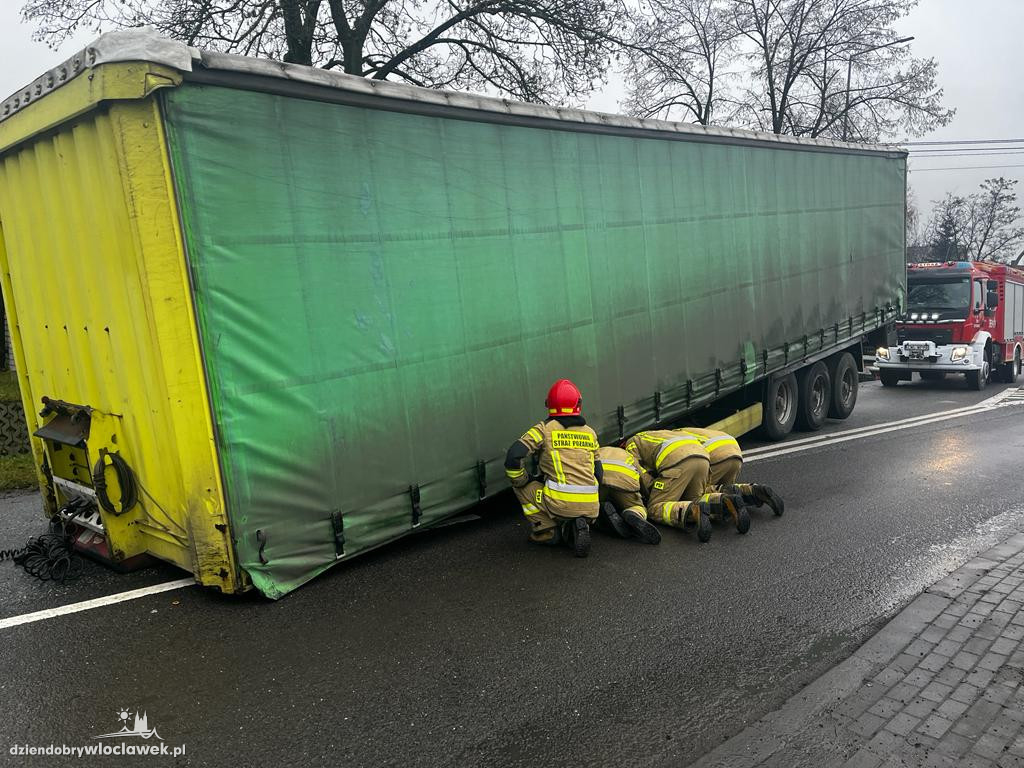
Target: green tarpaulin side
385,298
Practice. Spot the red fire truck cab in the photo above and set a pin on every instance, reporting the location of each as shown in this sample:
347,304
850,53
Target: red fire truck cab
963,317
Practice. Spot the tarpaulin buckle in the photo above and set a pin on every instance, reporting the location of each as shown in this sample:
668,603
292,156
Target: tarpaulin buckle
744,368
481,478
338,529
764,355
657,407
414,496
621,413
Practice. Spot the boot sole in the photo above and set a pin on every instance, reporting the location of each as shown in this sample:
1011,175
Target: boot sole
642,529
581,538
742,520
617,523
704,527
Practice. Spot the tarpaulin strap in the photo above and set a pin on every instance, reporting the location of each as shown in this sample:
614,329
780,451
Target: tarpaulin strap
338,527
621,413
481,478
261,537
657,407
414,496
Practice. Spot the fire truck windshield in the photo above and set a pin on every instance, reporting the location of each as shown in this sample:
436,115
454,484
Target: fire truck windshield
944,294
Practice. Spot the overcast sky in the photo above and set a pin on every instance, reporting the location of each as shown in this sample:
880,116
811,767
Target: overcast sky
977,44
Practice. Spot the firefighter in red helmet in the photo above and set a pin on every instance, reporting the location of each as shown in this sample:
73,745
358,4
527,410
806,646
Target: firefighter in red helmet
561,505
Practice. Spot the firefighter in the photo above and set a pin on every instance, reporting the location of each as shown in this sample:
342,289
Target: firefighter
622,506
561,505
726,459
674,476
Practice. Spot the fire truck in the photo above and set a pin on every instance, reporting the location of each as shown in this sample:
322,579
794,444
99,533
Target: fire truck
961,317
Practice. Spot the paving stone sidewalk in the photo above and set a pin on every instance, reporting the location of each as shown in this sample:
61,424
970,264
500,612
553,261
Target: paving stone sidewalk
939,685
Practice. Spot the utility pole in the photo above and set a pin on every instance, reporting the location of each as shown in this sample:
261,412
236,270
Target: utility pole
849,74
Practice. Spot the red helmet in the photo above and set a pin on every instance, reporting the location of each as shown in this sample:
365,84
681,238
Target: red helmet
563,399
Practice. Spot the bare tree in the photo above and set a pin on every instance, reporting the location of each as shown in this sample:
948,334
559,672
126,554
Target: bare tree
675,66
992,214
537,50
982,226
818,68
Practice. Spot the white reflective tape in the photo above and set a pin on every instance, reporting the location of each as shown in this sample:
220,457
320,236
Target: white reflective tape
570,488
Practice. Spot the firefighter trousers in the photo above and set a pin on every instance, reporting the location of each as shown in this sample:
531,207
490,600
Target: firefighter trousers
725,471
543,521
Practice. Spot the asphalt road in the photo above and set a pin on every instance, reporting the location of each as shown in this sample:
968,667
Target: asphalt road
467,646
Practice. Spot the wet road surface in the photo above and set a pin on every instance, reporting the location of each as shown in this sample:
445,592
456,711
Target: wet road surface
466,646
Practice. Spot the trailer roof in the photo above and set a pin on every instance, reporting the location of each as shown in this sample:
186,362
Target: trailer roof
145,45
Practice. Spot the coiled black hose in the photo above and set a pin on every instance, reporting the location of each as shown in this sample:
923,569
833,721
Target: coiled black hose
125,481
51,556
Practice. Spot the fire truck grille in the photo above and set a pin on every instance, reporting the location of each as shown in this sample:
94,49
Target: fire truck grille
938,335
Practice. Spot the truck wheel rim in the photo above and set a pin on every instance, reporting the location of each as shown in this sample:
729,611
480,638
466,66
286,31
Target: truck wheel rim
818,394
783,404
846,387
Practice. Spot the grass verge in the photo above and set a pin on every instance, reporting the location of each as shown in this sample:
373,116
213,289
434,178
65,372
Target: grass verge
17,471
9,387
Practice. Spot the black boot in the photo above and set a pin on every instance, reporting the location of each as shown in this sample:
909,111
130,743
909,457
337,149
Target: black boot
612,521
640,528
738,511
576,534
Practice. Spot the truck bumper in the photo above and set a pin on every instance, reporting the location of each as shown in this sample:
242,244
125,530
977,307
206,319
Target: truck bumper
923,356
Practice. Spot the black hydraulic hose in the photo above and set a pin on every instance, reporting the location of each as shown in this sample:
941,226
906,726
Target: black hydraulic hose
125,481
51,556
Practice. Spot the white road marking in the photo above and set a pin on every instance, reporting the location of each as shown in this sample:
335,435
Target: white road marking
870,428
857,434
99,602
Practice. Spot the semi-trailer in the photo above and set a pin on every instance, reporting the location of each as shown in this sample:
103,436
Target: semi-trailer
267,317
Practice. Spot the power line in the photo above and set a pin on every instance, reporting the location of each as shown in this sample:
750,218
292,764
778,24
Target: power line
967,154
978,151
962,168
958,141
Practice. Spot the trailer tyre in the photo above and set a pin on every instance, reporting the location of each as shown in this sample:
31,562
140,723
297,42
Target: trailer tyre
814,387
780,407
845,384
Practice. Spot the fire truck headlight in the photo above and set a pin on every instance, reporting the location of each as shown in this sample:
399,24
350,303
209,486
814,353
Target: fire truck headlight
913,315
935,315
882,353
958,354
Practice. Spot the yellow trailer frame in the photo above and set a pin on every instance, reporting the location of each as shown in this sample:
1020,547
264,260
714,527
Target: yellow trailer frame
85,170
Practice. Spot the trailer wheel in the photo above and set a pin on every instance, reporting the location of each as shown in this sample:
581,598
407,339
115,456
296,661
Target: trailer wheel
888,378
845,384
815,390
780,406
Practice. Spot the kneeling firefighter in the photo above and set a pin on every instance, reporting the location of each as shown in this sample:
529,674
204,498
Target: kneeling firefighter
726,459
674,476
622,505
563,502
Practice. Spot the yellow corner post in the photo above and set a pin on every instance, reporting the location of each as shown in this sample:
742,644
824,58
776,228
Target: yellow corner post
96,286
